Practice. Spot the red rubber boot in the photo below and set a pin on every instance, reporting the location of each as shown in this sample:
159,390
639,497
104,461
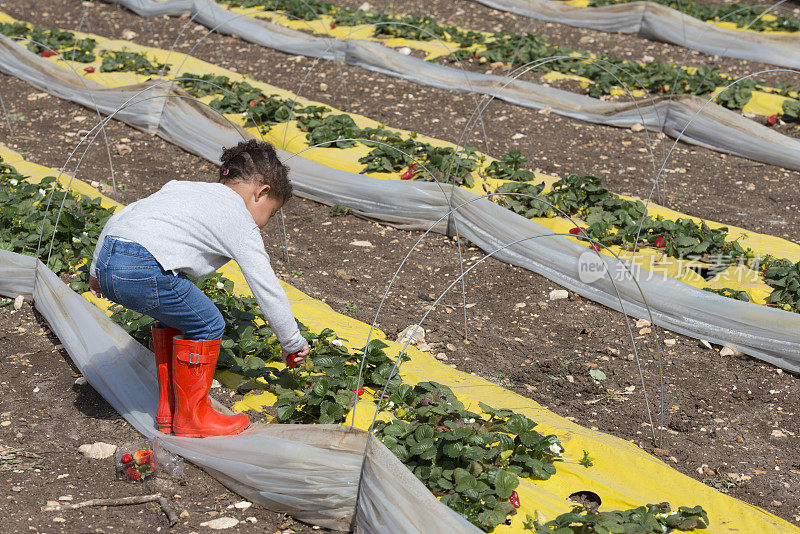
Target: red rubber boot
193,366
161,345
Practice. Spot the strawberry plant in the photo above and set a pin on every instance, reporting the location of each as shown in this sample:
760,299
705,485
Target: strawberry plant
24,213
649,519
125,61
730,293
80,50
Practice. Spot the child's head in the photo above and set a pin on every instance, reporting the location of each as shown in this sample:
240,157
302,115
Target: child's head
256,161
253,169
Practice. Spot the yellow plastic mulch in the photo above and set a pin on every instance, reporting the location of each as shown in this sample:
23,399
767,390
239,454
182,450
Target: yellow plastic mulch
623,475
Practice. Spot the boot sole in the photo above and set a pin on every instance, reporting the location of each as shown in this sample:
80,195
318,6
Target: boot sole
203,435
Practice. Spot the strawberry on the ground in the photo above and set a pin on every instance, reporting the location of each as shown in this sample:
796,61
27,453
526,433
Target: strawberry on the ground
142,455
407,175
89,69
514,499
596,247
772,119
577,230
333,25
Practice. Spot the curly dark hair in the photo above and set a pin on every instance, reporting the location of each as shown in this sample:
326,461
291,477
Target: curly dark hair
256,161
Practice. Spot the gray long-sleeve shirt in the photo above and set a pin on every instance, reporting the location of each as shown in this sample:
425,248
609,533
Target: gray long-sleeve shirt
197,227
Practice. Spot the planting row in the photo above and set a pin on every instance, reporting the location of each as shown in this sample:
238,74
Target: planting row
611,220
472,461
742,15
600,77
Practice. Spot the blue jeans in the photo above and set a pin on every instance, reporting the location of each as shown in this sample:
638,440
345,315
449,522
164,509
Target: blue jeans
130,276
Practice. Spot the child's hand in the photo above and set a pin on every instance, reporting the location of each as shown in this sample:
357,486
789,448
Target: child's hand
293,359
94,287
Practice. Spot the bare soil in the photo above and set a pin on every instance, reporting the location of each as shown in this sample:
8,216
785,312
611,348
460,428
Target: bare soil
730,421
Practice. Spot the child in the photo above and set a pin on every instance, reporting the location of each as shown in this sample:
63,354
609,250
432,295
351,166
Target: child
146,251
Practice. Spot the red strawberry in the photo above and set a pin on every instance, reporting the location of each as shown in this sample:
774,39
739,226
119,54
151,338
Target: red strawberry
142,455
253,102
359,392
133,473
333,25
577,230
126,459
47,53
89,69
772,119
412,166
661,242
407,175
291,360
514,499
596,247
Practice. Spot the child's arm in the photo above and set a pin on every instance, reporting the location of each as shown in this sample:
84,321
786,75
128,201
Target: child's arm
257,270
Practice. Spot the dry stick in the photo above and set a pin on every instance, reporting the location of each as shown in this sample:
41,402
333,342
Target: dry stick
172,517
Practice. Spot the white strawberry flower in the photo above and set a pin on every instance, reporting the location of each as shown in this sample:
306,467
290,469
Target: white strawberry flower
337,342
42,192
556,449
13,181
75,240
220,285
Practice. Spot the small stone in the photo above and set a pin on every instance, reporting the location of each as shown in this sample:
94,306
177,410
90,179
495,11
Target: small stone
777,434
94,183
751,187
570,379
558,294
251,519
450,346
5,423
323,86
361,244
670,342
184,514
647,330
779,371
518,135
412,334
16,488
706,345
612,351
59,520
129,35
404,50
65,498
730,351
215,384
733,476
220,523
81,380
776,503
638,127
441,356
642,323
98,450
661,452
545,111
18,302
243,505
